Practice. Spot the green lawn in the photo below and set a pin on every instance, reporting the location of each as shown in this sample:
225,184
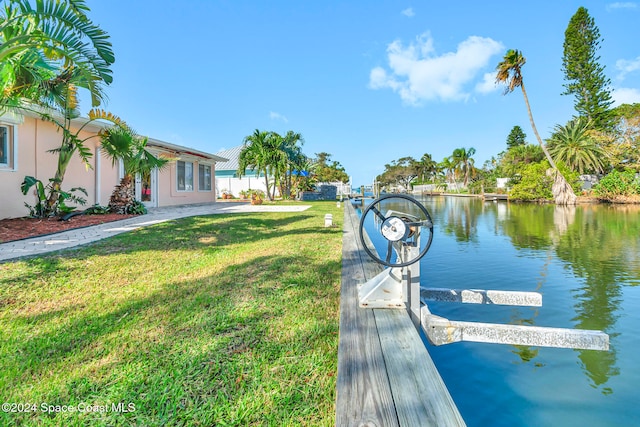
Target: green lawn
216,320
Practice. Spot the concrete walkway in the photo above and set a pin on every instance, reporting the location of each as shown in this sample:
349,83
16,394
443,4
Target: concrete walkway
82,236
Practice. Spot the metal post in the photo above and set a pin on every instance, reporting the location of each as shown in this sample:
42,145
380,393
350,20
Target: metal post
411,281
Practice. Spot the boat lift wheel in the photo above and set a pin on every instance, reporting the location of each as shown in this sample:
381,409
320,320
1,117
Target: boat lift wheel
400,229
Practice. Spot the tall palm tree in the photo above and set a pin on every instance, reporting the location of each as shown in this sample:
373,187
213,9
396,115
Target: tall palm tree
296,160
120,143
463,161
574,145
509,72
273,155
448,166
256,155
427,166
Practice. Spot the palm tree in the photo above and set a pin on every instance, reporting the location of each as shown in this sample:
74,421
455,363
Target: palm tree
427,166
305,176
448,166
574,145
463,161
47,52
120,143
509,72
284,152
41,44
296,160
256,155
273,155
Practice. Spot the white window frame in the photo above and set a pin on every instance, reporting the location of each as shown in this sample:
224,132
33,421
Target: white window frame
188,187
11,164
200,183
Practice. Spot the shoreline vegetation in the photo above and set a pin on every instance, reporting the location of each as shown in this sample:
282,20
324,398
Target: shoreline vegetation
581,199
209,320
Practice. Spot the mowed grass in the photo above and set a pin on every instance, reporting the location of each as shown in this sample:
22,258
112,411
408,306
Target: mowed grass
225,320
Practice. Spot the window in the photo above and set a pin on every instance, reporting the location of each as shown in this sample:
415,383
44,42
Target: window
5,157
185,176
204,177
6,147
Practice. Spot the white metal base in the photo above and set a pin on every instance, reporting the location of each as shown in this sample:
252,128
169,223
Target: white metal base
383,291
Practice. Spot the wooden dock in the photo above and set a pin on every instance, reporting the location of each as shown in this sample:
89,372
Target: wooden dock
495,196
385,374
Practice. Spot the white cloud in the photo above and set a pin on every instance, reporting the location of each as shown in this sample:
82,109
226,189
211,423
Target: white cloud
627,66
408,12
418,74
625,95
277,116
621,5
488,84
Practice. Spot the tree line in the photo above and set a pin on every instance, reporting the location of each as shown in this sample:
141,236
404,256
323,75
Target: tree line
284,167
597,140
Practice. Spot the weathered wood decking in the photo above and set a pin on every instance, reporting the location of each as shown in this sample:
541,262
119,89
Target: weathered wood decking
385,374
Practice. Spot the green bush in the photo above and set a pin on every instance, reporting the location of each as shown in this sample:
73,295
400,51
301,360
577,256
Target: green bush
534,184
136,208
97,210
616,184
572,177
42,209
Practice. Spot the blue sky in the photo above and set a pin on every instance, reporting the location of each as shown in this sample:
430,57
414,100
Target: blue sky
366,81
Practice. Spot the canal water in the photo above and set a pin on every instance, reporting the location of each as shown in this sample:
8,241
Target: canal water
585,261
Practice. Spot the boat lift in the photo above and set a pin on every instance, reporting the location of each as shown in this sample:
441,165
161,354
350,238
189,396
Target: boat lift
408,236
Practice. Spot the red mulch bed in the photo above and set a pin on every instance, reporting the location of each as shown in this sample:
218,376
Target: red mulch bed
23,228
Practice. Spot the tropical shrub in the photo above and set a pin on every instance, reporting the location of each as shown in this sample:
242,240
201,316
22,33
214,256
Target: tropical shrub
136,208
97,210
618,184
533,184
42,209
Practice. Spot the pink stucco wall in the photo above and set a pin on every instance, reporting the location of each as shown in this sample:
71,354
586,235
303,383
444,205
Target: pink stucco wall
168,195
36,137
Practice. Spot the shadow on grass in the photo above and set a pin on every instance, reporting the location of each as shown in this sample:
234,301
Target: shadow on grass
193,233
257,341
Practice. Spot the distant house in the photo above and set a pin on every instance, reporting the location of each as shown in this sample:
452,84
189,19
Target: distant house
227,178
26,139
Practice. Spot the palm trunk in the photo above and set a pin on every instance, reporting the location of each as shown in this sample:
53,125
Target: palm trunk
64,157
123,195
266,181
562,192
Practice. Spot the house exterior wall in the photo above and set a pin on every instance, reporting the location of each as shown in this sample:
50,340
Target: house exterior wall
168,193
35,137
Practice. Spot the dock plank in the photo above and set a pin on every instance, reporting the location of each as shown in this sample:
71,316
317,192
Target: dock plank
385,374
363,394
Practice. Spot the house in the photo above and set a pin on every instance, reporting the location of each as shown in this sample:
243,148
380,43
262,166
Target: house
25,142
227,178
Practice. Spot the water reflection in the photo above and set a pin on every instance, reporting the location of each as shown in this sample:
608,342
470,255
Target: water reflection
461,219
597,246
